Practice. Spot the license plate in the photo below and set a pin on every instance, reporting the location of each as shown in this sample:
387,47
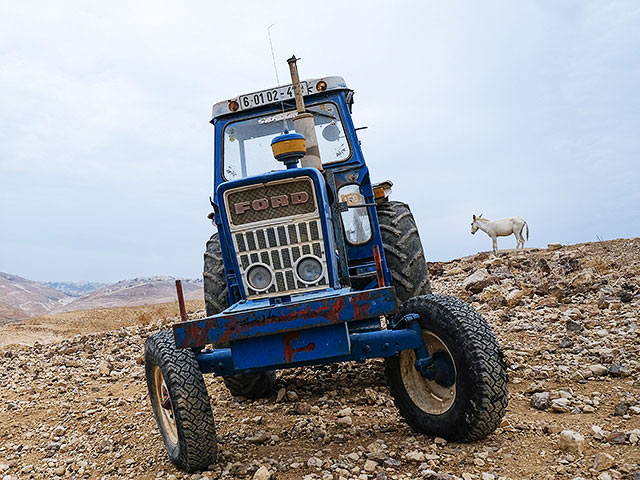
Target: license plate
272,95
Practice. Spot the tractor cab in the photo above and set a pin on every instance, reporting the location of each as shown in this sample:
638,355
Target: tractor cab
245,126
258,201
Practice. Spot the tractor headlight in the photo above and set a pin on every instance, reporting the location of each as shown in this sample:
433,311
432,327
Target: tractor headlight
259,277
356,222
309,269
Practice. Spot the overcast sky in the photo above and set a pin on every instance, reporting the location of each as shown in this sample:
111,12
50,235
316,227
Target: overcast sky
528,108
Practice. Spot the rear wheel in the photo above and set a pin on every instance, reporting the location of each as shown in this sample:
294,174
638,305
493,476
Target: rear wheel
252,385
403,250
468,396
180,403
215,286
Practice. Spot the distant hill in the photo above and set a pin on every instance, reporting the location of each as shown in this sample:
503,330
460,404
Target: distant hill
136,291
22,298
75,289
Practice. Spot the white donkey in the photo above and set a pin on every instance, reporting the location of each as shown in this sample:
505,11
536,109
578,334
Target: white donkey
501,228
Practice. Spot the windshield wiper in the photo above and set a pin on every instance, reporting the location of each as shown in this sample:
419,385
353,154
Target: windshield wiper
322,114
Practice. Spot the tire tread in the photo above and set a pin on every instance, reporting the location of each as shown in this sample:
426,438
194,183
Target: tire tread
487,373
403,250
197,442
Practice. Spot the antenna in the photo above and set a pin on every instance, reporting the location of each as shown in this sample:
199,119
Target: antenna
273,56
275,69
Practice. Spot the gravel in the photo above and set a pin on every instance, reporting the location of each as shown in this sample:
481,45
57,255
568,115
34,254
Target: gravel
567,320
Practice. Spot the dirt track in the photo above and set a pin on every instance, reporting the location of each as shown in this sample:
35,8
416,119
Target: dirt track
76,407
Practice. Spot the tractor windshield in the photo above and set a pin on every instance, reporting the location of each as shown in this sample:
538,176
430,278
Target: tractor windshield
247,143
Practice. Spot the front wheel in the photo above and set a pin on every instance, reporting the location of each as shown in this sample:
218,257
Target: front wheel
467,398
180,403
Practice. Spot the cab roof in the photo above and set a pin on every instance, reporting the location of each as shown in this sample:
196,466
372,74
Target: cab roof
275,95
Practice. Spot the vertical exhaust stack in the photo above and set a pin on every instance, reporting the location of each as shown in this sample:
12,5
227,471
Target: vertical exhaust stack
303,122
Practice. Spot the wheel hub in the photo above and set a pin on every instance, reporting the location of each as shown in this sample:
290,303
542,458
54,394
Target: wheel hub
166,402
166,415
444,370
435,390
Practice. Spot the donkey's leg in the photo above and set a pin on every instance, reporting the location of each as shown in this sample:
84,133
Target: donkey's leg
521,237
495,244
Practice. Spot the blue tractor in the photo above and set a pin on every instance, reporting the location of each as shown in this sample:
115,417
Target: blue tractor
313,264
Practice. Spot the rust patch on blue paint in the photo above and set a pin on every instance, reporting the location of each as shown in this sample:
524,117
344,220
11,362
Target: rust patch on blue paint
221,329
289,350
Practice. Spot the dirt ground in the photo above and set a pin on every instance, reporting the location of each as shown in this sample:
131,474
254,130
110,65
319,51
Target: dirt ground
74,400
57,327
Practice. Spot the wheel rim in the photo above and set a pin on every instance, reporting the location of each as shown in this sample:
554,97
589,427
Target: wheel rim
428,395
165,407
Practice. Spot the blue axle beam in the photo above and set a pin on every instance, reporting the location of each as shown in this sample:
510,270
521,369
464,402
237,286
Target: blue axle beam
376,344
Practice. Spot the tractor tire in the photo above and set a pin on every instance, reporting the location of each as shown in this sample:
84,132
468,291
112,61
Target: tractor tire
403,250
468,396
253,385
180,403
215,286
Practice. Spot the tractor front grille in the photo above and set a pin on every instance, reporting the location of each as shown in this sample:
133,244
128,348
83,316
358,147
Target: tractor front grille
280,248
277,238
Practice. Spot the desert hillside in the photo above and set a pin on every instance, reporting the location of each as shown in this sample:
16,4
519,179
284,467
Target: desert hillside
75,404
137,291
21,298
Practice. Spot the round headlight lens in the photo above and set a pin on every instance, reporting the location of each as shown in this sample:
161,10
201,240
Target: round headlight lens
259,277
309,269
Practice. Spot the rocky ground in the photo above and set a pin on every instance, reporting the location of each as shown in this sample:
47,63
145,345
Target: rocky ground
568,323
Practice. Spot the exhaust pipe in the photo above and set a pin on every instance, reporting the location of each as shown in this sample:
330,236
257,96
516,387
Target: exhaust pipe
303,122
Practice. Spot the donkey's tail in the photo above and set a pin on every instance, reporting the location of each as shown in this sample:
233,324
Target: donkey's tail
527,225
